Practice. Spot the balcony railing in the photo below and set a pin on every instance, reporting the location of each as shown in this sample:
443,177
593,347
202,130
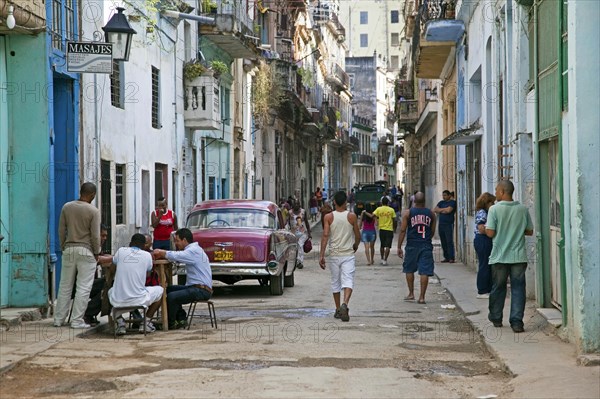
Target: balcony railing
363,159
438,9
283,46
202,108
286,74
408,111
405,90
237,10
340,74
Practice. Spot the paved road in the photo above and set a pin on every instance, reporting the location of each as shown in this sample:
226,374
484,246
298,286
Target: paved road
282,347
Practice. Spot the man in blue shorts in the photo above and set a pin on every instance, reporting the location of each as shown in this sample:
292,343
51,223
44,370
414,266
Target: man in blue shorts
420,223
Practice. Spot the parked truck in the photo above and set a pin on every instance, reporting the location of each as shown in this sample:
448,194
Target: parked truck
368,194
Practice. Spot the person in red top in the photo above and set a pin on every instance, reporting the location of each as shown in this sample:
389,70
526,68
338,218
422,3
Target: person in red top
164,221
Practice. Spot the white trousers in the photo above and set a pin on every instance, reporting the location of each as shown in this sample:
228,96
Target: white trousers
77,263
301,240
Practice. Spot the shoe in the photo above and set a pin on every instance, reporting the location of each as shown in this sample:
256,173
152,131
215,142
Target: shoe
299,266
58,323
344,312
451,261
384,262
337,314
91,320
121,330
483,296
497,323
149,327
177,324
517,328
80,325
381,263
445,261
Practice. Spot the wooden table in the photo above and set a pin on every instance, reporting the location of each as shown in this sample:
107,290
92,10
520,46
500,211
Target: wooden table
165,275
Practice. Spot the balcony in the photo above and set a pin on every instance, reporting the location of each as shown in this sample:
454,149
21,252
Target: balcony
30,16
201,104
408,112
405,90
283,46
232,25
338,78
410,14
362,159
439,33
286,74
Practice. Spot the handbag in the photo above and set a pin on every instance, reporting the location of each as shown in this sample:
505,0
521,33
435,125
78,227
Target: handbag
307,246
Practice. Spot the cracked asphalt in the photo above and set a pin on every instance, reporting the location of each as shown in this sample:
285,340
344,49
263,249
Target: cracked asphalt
286,346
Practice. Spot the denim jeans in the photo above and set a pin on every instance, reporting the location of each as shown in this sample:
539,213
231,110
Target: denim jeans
500,274
483,248
446,231
178,295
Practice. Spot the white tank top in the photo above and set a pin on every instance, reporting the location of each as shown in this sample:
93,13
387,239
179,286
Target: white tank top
341,237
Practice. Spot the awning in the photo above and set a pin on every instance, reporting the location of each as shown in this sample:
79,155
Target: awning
463,136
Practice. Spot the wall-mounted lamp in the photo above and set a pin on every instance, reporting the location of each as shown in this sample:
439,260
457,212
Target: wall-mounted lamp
10,19
118,32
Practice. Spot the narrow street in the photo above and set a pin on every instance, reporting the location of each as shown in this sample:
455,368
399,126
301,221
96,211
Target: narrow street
282,347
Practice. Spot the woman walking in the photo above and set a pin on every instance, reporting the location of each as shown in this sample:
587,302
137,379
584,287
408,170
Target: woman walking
483,245
368,234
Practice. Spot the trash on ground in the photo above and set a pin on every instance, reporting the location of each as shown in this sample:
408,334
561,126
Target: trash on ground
490,396
441,292
449,306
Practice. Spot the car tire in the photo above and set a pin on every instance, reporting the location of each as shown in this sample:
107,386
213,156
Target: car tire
276,284
288,281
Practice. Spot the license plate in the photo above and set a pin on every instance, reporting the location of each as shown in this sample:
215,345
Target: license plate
223,255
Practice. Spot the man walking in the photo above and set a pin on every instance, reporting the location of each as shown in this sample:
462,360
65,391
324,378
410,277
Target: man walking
385,216
129,288
507,225
342,233
420,223
79,234
198,286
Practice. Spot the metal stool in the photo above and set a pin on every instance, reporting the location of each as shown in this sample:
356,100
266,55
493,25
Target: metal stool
130,320
211,313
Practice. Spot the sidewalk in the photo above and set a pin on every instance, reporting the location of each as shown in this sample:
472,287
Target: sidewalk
543,366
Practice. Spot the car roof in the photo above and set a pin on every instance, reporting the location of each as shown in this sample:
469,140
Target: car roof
236,203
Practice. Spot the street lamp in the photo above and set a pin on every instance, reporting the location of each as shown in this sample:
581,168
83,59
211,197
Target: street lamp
120,34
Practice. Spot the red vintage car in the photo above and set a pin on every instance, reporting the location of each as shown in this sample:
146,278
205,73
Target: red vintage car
245,239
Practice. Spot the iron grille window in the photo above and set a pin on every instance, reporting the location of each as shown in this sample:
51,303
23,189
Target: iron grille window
364,40
116,84
120,192
69,19
394,16
155,98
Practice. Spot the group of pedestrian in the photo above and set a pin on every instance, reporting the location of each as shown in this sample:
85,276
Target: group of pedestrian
500,230
135,281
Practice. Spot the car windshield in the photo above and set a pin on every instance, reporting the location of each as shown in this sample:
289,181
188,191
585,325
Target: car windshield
219,217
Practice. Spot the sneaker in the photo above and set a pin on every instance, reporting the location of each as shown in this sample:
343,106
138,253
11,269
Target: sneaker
381,263
497,323
299,266
121,330
384,262
344,312
337,314
58,323
483,296
149,327
80,325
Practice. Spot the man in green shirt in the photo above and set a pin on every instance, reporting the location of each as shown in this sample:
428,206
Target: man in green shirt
507,225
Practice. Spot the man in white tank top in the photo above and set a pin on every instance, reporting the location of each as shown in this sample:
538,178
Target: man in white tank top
340,229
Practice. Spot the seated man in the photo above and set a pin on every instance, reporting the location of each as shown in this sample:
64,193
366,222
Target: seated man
199,276
129,288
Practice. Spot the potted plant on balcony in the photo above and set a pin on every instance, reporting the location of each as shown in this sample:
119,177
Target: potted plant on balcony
209,6
193,69
218,68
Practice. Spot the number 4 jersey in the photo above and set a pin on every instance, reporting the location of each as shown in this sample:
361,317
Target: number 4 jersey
419,227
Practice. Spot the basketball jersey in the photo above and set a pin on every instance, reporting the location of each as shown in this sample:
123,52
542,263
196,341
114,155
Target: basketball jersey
419,226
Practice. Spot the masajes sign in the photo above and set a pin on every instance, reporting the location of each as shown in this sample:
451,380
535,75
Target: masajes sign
87,57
